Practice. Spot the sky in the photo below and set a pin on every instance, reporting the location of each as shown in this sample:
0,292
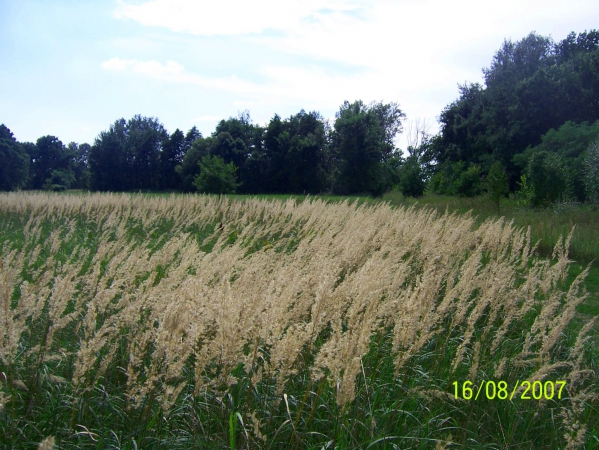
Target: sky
71,68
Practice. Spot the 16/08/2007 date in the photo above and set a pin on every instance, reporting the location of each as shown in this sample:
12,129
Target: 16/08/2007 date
492,390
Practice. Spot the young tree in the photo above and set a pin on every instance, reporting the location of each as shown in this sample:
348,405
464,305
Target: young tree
411,178
189,168
417,134
216,177
496,183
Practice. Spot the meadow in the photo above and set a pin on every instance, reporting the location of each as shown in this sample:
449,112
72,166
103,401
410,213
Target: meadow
548,225
133,321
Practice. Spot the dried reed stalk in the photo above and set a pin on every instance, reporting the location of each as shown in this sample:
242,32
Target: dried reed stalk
339,271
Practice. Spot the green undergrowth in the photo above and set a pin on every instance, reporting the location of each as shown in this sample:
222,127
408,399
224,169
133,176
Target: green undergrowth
416,409
413,409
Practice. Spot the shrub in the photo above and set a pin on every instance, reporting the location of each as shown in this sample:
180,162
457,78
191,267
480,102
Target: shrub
411,178
469,182
457,179
216,177
496,183
567,146
549,179
524,192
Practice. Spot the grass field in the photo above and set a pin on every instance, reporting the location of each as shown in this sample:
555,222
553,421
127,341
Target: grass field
140,321
547,225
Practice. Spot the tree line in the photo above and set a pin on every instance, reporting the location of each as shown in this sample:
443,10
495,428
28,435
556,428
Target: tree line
300,154
537,115
532,129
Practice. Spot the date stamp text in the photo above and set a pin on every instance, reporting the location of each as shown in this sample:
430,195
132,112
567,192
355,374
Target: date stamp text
492,390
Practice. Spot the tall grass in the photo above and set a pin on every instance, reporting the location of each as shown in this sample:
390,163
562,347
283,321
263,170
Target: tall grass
189,321
548,225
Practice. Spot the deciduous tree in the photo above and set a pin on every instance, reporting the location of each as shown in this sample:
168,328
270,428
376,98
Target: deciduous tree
14,162
363,142
127,156
216,177
51,164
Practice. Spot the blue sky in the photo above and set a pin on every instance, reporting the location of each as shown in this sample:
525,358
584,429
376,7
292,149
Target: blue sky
71,68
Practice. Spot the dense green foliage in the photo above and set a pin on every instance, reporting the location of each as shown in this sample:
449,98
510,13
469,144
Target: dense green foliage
51,164
362,143
128,155
300,155
532,88
47,164
14,162
173,151
412,182
457,179
566,149
79,165
189,167
290,157
216,177
497,183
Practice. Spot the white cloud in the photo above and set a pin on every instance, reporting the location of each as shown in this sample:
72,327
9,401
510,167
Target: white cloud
233,17
152,68
117,64
287,88
411,51
370,33
283,84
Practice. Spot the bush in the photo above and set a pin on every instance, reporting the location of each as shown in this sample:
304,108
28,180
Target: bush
411,178
496,183
469,183
216,177
59,180
457,179
568,144
524,192
438,183
549,179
